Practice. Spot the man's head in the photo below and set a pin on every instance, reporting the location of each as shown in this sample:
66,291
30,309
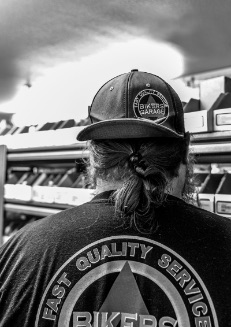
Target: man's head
138,146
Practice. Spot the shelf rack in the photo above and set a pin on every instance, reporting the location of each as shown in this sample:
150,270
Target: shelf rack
46,147
60,154
212,147
31,209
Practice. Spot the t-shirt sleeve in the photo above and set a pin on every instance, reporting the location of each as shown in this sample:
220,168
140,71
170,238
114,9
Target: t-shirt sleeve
24,270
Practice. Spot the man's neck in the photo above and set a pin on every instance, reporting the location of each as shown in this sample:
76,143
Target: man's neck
103,186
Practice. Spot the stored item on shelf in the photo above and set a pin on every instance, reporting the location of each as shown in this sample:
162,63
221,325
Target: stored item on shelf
79,196
41,178
58,124
22,191
198,121
73,196
43,138
32,178
43,194
16,131
37,190
221,168
24,177
46,127
25,129
223,197
43,191
63,190
68,179
68,123
48,181
10,131
206,196
222,119
57,179
5,130
80,182
211,98
13,130
12,179
61,195
199,180
192,106
211,89
191,119
44,185
222,112
201,168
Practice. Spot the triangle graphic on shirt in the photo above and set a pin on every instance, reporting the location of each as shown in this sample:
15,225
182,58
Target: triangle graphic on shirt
124,296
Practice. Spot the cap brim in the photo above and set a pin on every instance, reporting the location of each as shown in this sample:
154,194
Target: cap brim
126,128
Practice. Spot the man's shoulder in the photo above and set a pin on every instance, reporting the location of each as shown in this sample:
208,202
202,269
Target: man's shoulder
209,218
190,213
55,227
79,215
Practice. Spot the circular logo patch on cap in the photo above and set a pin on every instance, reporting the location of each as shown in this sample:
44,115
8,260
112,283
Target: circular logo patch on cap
151,104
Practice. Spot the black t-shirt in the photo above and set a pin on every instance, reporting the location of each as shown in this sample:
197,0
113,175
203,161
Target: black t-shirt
84,267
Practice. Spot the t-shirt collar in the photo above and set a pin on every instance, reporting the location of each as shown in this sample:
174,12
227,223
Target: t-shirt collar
106,195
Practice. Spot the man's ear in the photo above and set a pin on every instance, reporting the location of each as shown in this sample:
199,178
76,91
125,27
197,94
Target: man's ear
177,184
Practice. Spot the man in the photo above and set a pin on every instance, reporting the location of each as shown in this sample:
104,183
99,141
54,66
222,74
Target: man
138,254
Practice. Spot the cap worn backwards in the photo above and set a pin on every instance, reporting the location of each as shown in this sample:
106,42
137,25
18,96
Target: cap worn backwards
134,105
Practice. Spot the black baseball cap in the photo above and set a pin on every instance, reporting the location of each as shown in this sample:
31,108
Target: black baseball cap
135,105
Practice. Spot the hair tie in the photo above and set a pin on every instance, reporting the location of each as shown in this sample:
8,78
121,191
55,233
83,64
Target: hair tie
135,158
137,163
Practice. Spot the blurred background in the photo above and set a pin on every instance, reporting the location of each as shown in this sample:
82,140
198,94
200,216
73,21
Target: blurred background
55,54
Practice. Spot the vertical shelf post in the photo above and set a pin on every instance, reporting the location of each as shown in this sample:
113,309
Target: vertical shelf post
3,160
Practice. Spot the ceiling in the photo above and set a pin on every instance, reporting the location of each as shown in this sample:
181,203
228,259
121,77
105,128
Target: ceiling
36,34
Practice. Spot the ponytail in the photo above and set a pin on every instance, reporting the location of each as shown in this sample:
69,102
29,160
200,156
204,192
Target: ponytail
144,168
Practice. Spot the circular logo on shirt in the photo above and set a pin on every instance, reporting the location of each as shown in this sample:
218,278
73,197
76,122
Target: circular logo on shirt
129,282
151,104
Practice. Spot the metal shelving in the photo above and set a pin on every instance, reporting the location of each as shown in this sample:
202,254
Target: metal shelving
207,147
64,154
17,153
58,206
212,147
30,210
212,136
